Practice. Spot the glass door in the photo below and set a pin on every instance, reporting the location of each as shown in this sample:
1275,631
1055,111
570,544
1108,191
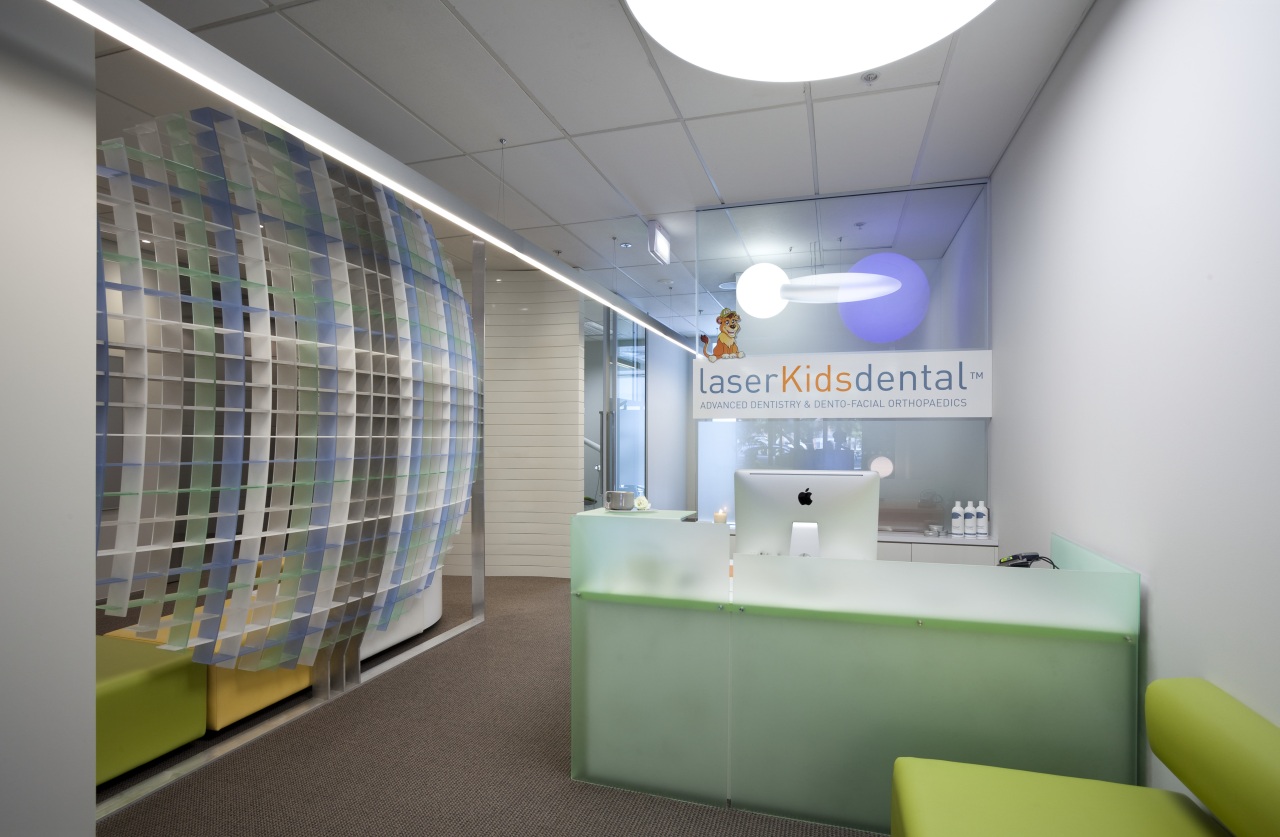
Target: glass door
613,421
628,442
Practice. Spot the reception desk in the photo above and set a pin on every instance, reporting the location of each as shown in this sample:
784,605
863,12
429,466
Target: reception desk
790,686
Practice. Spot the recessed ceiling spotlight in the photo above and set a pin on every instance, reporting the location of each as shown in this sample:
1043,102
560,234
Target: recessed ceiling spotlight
146,241
625,244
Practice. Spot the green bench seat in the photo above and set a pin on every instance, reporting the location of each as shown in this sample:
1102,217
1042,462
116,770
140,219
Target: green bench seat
149,701
1225,753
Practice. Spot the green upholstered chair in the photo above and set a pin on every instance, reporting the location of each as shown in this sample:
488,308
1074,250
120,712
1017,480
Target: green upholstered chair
1224,752
149,702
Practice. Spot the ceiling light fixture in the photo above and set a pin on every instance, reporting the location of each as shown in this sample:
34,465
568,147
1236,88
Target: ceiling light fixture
659,243
155,37
764,289
810,40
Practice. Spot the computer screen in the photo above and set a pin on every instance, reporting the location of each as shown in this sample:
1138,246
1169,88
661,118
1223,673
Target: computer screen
831,514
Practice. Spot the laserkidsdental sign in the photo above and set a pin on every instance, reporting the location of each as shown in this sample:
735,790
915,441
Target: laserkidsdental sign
862,385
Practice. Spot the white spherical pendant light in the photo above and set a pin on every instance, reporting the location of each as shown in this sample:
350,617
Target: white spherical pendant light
760,290
799,40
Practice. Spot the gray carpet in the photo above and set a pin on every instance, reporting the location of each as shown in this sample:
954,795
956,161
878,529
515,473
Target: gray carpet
469,738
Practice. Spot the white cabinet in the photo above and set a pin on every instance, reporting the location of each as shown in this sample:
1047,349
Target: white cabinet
940,552
945,553
889,551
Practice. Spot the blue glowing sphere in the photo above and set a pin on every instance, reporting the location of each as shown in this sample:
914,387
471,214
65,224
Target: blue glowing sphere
892,317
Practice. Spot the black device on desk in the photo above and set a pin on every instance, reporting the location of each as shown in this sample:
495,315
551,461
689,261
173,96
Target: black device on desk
1024,559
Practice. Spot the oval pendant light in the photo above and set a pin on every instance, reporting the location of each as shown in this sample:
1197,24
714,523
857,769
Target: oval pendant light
799,40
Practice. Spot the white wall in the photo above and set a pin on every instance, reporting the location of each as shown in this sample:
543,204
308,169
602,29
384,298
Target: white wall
533,427
47,329
1135,326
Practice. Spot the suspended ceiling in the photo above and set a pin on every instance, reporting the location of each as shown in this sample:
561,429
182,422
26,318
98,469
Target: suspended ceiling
605,130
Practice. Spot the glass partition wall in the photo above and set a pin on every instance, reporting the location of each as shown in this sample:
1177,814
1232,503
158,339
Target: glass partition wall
926,463
614,399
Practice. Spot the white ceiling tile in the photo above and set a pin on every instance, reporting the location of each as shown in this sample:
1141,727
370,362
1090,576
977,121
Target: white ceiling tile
464,177
115,116
424,57
580,58
190,15
771,231
924,67
860,222
662,280
284,55
559,180
141,84
572,250
872,141
700,92
932,217
762,155
998,63
600,236
717,238
654,165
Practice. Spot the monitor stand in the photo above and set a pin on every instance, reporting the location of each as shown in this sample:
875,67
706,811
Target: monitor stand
804,539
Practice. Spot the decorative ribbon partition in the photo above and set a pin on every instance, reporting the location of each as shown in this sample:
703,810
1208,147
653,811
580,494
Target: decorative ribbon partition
287,393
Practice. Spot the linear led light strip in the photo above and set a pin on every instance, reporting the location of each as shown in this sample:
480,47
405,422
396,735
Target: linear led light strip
159,55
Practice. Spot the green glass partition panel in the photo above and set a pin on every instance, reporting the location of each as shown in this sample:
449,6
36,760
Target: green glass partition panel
650,653
839,667
793,689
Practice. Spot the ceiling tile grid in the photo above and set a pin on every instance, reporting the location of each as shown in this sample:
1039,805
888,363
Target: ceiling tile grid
286,56
654,165
422,55
580,58
757,155
606,130
856,152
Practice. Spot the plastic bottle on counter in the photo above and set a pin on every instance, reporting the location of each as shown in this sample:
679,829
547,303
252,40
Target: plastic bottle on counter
970,523
980,519
957,521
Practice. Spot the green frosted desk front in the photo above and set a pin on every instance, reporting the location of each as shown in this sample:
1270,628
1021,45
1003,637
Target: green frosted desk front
795,694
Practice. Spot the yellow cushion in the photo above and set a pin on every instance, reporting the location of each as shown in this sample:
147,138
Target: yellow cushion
235,694
1224,752
148,702
932,798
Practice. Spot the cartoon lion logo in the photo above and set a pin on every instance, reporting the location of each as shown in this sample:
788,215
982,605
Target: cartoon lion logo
727,341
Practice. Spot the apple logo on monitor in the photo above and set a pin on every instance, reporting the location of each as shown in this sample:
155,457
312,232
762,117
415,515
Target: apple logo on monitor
805,497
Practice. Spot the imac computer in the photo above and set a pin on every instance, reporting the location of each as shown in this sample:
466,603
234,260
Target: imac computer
830,514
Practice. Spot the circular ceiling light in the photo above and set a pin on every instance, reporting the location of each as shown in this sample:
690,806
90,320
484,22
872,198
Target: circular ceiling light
803,40
760,290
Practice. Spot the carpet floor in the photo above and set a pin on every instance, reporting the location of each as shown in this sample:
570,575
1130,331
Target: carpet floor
468,738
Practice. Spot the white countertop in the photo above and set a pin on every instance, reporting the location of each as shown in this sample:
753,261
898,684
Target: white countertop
944,538
920,537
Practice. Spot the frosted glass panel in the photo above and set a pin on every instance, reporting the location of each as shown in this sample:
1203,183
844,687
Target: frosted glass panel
651,653
1105,602
793,692
650,697
821,708
636,554
839,667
